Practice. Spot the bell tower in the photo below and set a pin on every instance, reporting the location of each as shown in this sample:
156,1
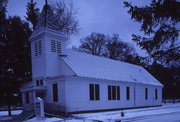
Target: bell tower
48,43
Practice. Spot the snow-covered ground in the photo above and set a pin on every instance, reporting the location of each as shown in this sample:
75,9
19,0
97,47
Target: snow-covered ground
167,113
53,119
4,114
133,114
14,112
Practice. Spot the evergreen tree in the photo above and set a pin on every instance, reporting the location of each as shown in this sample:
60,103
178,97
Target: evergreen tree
32,13
15,64
160,23
3,4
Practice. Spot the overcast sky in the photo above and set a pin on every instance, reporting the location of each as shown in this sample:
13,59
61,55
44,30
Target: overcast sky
103,16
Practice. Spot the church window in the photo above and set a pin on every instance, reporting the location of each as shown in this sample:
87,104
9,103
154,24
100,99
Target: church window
113,92
39,82
109,92
127,93
94,92
146,93
55,92
58,47
55,46
118,93
38,48
156,94
27,97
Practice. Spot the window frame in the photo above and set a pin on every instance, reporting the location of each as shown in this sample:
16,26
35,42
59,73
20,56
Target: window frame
109,92
118,92
94,92
146,93
38,48
156,93
27,98
56,46
55,92
91,91
113,92
127,93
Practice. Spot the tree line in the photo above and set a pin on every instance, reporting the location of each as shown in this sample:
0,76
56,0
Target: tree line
109,46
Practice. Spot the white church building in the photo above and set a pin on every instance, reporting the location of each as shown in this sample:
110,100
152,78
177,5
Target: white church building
70,81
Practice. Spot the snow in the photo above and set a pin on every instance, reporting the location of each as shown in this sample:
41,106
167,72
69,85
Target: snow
90,66
175,117
4,114
131,114
53,119
13,112
167,113
56,120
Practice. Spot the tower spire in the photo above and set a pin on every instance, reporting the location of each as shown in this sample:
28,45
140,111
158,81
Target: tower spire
46,2
45,18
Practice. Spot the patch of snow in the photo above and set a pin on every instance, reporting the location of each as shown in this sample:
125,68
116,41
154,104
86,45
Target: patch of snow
53,119
132,113
13,112
167,113
56,120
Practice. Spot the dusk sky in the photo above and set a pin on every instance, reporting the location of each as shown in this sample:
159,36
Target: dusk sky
102,16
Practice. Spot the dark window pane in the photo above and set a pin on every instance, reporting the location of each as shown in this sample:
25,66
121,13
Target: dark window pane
118,93
97,91
114,92
41,82
55,92
53,46
37,82
156,94
27,97
91,91
109,92
58,47
127,93
36,50
146,93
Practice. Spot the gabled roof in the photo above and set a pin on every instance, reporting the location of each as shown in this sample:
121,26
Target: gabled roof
90,66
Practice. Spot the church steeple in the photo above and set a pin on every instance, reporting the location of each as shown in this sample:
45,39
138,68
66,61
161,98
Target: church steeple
47,19
48,43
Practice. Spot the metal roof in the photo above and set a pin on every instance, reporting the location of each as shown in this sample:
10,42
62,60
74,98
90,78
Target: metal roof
90,66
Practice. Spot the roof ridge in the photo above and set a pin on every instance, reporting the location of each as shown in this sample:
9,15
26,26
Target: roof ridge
105,58
88,65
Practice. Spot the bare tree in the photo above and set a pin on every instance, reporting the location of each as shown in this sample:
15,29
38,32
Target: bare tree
119,50
66,17
94,44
